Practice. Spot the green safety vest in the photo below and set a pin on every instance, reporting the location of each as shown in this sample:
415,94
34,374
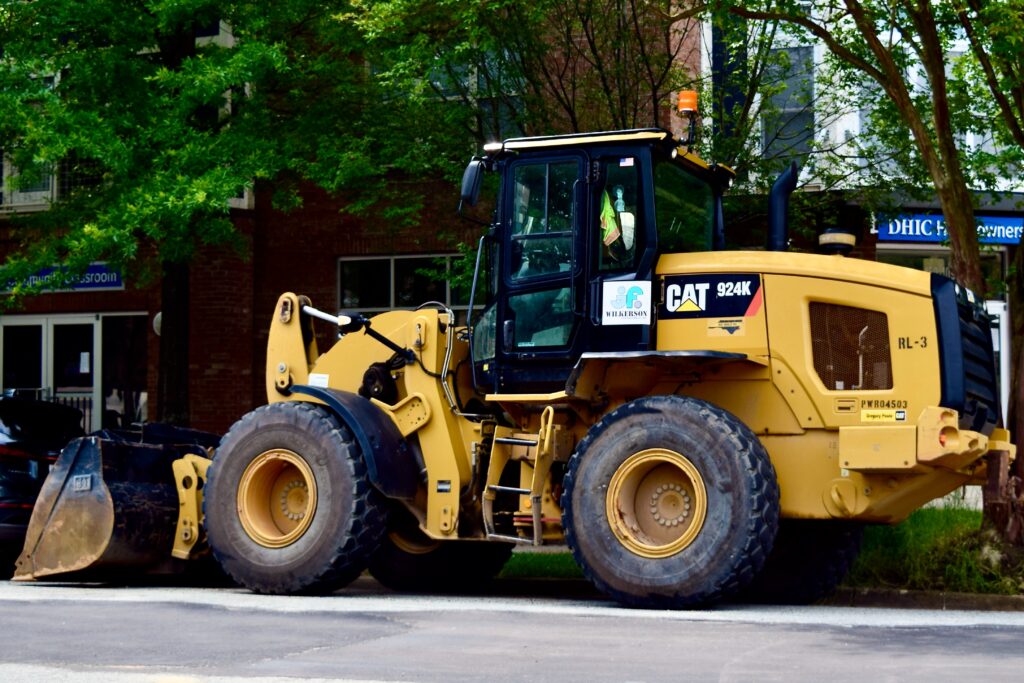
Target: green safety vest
609,223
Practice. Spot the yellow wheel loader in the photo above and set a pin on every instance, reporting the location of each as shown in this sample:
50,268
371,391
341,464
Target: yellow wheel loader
692,423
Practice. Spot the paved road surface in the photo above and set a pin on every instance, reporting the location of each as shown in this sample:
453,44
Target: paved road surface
172,635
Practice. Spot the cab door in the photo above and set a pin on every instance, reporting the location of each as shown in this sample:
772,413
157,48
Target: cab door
540,312
621,251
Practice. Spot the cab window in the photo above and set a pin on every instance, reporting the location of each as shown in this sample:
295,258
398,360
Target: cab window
485,331
618,213
543,215
684,210
542,318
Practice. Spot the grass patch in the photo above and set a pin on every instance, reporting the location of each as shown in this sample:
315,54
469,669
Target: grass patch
938,549
557,565
934,549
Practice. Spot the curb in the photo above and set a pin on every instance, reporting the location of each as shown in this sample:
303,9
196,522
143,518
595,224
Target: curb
930,600
889,598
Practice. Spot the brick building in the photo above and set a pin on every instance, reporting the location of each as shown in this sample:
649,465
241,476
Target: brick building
96,346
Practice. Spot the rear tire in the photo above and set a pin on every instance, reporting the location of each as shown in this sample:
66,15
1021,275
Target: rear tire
408,560
810,559
670,502
288,504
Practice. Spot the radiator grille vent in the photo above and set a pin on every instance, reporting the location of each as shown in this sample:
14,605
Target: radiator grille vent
969,382
851,347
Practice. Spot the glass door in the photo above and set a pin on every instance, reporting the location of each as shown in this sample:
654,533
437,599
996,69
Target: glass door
71,359
52,359
124,370
22,356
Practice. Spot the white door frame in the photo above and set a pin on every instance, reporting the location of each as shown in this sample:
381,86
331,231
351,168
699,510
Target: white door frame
47,324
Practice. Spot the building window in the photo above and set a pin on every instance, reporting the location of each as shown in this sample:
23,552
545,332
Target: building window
375,284
787,119
14,194
209,28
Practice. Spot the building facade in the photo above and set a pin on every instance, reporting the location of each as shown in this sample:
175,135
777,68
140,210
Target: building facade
96,345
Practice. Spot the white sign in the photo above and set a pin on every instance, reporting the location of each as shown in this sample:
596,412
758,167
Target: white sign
626,303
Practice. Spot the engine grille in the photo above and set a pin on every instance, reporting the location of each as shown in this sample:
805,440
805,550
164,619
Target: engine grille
851,347
968,360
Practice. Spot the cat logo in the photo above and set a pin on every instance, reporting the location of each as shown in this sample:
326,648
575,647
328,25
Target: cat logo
711,296
688,298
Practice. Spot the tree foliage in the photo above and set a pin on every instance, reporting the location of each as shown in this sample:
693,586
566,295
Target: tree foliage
995,33
541,67
151,131
904,56
937,73
151,126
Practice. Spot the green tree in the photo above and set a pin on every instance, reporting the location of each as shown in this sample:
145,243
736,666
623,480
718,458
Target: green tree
995,33
540,67
903,49
549,67
153,131
934,94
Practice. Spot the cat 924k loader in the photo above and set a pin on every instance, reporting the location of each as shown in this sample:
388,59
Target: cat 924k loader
692,423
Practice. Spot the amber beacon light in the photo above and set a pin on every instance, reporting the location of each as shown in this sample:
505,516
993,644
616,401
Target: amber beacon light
688,102
688,107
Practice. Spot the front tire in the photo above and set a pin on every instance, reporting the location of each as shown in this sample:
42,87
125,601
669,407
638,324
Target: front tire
670,502
288,504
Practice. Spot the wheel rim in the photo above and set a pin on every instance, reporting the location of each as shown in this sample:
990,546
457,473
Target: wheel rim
406,535
413,544
276,498
656,503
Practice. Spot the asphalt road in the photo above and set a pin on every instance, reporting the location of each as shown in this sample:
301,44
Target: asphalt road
171,635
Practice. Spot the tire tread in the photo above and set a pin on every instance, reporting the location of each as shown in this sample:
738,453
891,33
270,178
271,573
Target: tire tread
349,559
762,522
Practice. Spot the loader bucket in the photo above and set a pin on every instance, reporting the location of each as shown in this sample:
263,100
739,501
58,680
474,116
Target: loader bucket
106,505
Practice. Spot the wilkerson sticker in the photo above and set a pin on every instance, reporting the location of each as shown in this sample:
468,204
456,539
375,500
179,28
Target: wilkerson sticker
626,303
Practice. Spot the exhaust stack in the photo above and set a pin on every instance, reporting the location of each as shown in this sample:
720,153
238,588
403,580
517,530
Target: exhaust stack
778,208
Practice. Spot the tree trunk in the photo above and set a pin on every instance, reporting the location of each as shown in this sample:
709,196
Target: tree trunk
958,210
172,382
937,145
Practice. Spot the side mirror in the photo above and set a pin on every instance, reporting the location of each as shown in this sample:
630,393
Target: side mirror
471,180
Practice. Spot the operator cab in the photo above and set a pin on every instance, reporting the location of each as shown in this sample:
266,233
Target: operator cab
567,265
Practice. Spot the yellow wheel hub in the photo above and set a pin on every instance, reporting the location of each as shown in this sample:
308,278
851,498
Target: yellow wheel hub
656,503
413,544
276,498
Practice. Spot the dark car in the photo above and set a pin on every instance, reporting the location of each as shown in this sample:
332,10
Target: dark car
32,434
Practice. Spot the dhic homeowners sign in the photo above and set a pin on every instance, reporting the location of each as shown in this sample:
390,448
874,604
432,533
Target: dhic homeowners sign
920,227
97,277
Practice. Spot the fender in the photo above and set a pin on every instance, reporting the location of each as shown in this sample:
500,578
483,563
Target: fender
666,359
389,461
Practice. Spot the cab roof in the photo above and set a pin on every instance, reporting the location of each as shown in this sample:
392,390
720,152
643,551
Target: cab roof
639,135
576,139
